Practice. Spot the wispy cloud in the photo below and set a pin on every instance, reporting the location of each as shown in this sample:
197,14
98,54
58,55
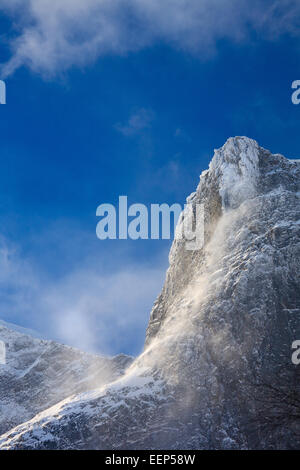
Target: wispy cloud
182,135
86,307
52,36
18,281
138,121
110,313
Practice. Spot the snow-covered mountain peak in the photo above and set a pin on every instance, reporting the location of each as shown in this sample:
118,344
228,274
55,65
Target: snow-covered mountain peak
235,166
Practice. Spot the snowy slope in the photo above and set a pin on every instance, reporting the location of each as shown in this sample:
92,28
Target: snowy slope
39,373
20,329
225,320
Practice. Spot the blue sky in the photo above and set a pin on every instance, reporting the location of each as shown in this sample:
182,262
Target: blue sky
136,110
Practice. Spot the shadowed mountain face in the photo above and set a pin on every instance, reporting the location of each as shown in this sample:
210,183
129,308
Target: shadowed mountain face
220,333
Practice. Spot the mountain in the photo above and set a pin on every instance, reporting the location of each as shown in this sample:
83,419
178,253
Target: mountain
39,373
20,329
216,371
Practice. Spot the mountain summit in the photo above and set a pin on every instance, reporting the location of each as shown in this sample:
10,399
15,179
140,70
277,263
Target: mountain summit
216,371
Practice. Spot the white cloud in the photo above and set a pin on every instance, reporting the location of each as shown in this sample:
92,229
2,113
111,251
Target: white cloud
18,281
52,36
94,309
138,121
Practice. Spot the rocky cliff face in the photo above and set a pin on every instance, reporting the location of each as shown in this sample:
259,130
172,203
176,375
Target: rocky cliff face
220,333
